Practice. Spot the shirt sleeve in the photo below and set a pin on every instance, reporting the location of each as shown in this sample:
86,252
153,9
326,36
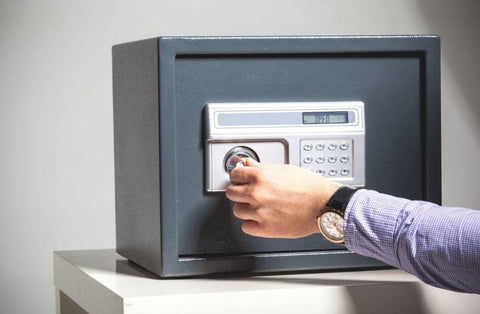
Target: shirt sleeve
438,244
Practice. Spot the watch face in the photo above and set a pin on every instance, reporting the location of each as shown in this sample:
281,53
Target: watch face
331,226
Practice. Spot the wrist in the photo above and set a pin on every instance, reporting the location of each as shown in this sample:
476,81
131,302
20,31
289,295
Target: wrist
322,193
327,191
330,220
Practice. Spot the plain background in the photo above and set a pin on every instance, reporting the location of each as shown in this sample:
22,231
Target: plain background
56,131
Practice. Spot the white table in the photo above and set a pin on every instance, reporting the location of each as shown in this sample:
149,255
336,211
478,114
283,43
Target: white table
101,281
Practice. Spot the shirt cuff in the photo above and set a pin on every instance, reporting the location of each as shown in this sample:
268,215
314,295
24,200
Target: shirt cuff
370,223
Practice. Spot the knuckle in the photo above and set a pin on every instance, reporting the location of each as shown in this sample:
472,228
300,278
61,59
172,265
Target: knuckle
260,175
235,173
256,173
263,214
255,195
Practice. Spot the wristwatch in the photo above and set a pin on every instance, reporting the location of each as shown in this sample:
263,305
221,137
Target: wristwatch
330,218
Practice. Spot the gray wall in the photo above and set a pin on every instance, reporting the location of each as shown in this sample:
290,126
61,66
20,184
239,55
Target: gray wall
56,139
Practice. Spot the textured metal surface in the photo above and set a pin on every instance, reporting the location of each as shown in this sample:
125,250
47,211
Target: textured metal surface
137,172
396,77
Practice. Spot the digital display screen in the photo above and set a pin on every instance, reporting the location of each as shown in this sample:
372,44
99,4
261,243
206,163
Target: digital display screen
325,117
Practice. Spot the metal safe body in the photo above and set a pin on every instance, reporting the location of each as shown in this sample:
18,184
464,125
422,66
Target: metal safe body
171,214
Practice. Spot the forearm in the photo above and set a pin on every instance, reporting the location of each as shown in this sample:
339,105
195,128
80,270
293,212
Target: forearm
438,244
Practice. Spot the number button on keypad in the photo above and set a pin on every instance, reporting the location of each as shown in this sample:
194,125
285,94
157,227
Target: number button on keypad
307,147
332,159
308,160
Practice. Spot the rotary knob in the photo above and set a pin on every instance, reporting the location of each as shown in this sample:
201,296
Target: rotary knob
236,156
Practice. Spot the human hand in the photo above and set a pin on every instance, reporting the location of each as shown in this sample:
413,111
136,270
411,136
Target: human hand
278,201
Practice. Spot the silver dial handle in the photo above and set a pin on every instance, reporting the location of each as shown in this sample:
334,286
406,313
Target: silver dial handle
235,157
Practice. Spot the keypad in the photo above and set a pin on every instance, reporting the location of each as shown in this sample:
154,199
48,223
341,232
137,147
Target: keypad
329,157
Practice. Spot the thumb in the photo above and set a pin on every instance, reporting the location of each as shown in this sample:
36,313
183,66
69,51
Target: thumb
252,162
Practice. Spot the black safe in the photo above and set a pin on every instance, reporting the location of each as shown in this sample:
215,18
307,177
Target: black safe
166,91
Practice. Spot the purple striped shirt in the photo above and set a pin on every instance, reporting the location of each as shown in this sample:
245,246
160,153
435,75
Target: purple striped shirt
438,244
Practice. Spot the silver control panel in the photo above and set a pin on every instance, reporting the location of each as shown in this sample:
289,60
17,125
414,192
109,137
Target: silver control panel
326,137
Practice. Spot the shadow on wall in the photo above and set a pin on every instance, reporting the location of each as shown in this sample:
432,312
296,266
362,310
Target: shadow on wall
458,24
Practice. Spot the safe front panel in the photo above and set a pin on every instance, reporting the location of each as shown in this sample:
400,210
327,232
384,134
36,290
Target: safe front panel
396,78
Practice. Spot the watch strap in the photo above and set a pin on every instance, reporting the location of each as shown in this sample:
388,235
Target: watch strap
341,197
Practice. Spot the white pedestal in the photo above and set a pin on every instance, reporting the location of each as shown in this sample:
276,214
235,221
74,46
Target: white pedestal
101,281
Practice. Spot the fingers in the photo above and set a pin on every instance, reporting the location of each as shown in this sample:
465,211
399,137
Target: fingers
252,227
245,211
252,162
238,193
248,213
242,175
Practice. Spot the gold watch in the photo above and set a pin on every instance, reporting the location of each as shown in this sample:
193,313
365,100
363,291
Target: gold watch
331,217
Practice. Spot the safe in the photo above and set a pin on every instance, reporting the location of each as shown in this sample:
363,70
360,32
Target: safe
362,110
